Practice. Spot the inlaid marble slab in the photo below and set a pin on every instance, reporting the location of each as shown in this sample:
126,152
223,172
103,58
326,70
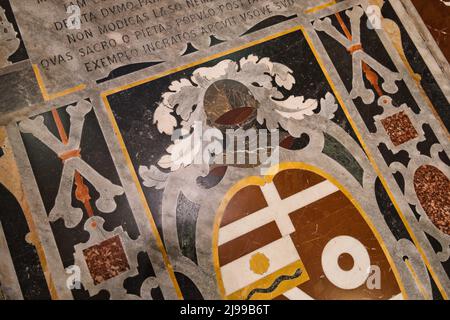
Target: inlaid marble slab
135,34
106,195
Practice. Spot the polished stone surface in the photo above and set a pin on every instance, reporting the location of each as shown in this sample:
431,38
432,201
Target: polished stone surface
226,149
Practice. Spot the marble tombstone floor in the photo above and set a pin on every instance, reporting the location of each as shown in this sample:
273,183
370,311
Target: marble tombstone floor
105,193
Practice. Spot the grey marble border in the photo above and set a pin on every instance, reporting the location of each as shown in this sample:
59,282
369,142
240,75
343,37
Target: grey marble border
38,213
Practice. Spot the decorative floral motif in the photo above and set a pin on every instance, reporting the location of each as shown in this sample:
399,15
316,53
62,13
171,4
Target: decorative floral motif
228,95
262,77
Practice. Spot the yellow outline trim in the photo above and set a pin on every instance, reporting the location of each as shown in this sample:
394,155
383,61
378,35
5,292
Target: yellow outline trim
321,7
51,96
416,278
23,202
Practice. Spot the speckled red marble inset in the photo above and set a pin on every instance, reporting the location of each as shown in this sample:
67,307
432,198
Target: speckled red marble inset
106,260
399,128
